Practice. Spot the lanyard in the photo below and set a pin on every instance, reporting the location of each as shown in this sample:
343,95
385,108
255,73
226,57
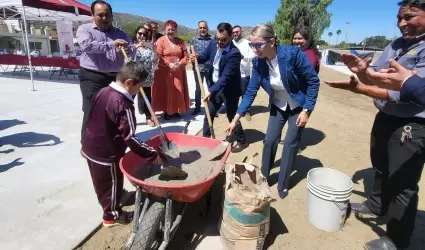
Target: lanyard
403,52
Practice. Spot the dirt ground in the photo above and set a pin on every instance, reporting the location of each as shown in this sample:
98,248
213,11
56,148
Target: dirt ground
337,136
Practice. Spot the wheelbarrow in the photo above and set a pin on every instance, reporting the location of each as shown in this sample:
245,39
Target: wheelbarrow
155,220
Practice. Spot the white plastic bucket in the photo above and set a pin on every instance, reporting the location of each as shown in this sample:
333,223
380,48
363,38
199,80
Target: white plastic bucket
329,192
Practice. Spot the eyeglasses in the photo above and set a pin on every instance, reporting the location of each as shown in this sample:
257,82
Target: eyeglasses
141,33
258,45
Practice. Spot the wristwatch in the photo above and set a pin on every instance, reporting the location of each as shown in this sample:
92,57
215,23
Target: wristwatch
307,111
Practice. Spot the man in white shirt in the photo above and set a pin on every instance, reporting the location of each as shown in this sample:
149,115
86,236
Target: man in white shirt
247,54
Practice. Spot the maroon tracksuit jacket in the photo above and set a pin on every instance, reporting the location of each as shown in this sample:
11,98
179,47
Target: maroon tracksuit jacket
110,130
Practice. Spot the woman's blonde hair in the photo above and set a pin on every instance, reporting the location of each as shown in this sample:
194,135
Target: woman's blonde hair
264,31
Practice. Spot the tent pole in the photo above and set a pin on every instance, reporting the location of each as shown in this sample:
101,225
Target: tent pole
28,46
21,23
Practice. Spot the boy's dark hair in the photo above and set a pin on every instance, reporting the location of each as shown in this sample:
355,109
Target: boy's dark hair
100,2
134,71
225,27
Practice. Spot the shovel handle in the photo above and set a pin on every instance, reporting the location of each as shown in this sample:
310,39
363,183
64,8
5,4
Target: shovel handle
155,119
201,87
124,54
158,125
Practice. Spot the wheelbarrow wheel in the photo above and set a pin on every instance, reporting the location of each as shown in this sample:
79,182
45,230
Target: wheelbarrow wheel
149,227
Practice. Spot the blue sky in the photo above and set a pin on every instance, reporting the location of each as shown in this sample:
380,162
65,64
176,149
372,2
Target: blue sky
366,17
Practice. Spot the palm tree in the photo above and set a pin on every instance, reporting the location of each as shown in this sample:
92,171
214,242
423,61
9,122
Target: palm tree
330,35
338,32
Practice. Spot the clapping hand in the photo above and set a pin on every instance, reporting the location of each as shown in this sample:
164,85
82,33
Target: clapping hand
391,78
351,85
357,65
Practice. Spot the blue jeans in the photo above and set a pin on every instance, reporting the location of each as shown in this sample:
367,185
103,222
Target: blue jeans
277,120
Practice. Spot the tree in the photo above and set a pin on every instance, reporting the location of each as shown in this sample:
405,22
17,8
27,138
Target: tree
321,42
338,32
330,34
377,41
129,27
292,13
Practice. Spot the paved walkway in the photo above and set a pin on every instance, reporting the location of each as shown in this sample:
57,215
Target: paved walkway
47,196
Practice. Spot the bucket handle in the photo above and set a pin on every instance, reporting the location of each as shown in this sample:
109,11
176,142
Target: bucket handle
339,206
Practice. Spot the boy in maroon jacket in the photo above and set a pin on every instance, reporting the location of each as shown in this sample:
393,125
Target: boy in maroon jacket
110,130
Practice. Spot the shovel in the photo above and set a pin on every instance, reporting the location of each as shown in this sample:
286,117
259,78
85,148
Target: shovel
201,87
168,148
219,151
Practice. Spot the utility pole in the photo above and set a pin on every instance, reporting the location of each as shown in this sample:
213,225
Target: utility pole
346,32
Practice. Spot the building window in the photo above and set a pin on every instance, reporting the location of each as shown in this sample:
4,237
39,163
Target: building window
11,45
35,45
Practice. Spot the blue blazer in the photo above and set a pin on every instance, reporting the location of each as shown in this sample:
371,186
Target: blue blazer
229,69
297,74
413,91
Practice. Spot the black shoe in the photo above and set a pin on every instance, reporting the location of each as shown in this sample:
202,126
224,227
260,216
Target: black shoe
361,208
239,147
384,243
166,116
196,111
283,193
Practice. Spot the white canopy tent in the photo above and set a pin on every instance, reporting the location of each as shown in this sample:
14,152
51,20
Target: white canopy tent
25,10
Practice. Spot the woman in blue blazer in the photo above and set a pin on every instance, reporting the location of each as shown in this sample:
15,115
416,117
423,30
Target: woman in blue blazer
292,84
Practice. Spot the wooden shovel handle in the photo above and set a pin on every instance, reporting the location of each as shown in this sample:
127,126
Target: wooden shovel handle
145,98
201,87
124,53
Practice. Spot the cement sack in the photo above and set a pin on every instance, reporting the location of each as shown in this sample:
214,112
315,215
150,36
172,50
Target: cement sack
246,209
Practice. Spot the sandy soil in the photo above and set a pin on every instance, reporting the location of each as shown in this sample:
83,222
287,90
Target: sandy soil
196,164
337,136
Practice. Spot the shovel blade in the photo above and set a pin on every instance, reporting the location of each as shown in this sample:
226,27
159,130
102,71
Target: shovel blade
218,151
170,150
174,172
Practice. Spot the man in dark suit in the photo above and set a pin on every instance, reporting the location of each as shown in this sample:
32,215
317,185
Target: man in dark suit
225,77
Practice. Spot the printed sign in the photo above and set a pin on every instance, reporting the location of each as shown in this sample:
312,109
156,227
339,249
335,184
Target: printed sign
65,36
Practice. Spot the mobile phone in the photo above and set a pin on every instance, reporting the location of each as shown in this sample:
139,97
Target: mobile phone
148,45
